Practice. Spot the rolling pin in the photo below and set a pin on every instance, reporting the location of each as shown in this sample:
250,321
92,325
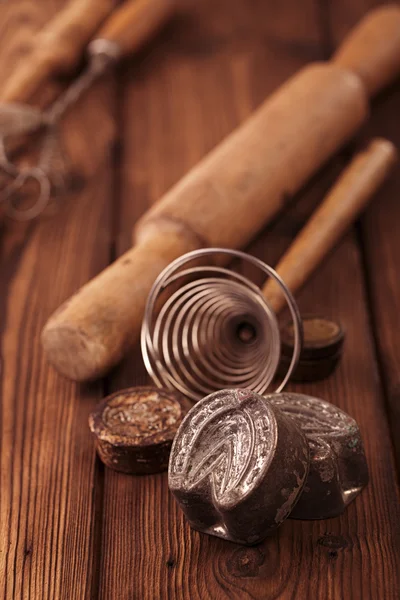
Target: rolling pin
347,198
231,194
56,48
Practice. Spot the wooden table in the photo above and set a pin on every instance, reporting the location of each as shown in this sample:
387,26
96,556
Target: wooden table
72,529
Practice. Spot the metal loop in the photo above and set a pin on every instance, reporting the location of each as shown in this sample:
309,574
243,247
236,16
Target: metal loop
207,327
108,50
41,201
5,164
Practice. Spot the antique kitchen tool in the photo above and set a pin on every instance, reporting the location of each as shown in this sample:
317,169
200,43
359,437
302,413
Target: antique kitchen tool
134,428
342,204
338,467
56,48
233,192
237,466
216,328
125,30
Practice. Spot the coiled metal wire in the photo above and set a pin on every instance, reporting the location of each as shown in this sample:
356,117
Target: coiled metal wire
207,327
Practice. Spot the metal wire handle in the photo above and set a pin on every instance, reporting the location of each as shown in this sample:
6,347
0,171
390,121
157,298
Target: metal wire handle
102,54
214,329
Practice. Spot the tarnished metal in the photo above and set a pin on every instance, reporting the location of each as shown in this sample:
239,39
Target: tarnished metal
338,467
208,327
237,466
322,348
134,428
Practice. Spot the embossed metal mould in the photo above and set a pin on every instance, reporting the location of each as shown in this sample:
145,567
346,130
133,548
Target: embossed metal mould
338,467
134,428
237,466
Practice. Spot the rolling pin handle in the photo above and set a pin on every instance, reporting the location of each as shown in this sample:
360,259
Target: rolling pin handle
372,49
135,22
342,205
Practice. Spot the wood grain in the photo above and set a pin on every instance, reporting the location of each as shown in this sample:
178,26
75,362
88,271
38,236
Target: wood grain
355,187
243,183
381,245
379,233
148,550
74,530
49,475
56,48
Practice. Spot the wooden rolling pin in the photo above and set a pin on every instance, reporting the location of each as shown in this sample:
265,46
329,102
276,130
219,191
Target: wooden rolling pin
230,195
56,48
350,194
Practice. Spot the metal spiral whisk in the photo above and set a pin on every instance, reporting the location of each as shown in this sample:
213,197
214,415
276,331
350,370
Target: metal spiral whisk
207,327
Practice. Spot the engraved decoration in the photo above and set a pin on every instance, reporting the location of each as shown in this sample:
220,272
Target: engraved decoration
145,417
237,466
134,428
229,443
338,468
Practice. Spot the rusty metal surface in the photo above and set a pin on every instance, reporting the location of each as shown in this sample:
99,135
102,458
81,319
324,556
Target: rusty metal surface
338,467
237,466
134,428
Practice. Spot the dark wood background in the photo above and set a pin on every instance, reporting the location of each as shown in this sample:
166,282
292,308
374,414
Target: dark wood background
71,529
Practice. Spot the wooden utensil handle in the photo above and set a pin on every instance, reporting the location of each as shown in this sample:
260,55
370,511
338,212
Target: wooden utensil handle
343,203
135,22
116,299
223,201
56,48
372,49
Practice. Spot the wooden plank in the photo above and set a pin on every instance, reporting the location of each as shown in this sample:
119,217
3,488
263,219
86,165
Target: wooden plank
198,82
49,500
207,72
380,237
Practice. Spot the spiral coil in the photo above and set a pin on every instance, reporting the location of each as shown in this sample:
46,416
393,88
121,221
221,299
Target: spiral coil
207,327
